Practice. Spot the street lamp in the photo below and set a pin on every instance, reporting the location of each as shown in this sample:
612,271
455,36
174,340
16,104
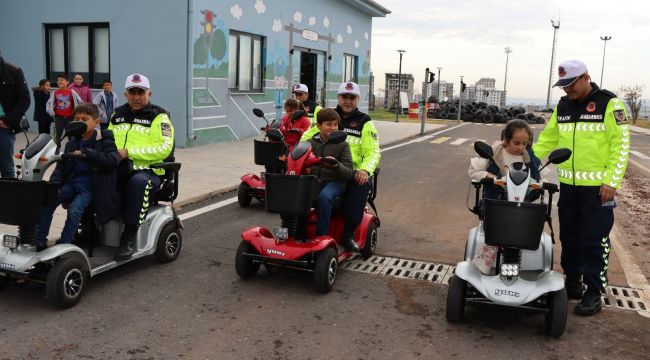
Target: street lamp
399,86
507,50
602,69
438,91
556,27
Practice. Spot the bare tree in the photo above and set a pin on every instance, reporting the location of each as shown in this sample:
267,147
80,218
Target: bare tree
632,95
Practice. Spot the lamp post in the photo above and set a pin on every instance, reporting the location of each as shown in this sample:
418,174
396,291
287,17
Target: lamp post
399,86
507,50
602,69
460,98
438,91
556,27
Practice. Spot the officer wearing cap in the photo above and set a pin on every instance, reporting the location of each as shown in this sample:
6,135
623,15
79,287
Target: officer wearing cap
301,92
144,135
364,146
592,122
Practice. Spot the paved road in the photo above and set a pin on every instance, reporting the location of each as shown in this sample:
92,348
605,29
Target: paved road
197,307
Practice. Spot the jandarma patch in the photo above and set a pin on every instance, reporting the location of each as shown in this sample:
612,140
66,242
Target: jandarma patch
620,117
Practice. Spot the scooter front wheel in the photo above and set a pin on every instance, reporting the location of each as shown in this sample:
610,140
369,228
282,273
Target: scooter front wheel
371,242
243,195
456,299
326,270
169,243
66,282
246,268
555,321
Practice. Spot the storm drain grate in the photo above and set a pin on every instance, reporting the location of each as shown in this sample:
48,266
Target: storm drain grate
624,298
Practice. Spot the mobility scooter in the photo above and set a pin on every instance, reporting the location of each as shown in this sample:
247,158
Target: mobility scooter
294,244
66,268
265,153
523,275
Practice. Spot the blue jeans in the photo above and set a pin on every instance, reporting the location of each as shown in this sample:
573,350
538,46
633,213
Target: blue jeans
7,142
78,195
328,191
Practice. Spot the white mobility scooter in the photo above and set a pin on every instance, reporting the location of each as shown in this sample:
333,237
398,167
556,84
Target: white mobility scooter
66,268
522,276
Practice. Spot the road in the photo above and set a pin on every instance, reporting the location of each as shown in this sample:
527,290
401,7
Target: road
197,307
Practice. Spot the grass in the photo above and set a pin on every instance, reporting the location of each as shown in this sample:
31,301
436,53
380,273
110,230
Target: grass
383,115
641,123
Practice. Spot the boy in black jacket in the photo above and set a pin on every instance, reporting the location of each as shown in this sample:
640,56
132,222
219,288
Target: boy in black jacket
84,181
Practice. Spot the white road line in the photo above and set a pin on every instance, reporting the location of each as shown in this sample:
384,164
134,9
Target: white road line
205,209
640,154
639,165
458,141
422,138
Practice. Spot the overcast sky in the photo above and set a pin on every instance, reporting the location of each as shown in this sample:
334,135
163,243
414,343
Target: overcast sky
468,37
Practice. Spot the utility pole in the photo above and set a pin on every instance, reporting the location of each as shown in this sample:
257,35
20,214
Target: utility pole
556,27
507,50
399,86
438,91
602,69
428,78
460,98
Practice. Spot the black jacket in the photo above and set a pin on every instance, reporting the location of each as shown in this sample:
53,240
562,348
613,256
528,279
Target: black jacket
102,158
14,94
40,99
340,152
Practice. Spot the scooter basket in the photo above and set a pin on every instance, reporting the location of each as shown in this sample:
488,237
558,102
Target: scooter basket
514,224
267,153
290,194
21,201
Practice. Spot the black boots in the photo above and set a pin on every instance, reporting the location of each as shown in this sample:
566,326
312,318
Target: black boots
590,303
573,285
127,244
347,241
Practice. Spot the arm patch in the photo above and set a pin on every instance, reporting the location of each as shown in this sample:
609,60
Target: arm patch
166,129
620,117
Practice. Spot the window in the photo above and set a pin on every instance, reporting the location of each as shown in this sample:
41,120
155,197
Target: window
78,48
245,72
349,68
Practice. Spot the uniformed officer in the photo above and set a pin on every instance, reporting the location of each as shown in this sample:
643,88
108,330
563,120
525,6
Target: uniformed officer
144,135
364,146
301,92
592,123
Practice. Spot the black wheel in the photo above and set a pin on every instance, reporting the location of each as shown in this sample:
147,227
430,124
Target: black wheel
66,282
243,196
456,299
170,242
371,242
557,303
4,281
246,268
325,272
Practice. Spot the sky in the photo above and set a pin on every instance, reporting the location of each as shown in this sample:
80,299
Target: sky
468,37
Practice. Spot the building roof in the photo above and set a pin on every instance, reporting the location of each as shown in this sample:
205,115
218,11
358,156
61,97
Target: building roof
369,7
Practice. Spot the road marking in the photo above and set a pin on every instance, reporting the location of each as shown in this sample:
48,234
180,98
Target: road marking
459,141
423,138
639,165
205,209
640,154
440,140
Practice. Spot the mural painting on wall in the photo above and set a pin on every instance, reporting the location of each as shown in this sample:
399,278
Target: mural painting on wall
211,45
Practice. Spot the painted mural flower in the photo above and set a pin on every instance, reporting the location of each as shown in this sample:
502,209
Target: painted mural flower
326,22
297,17
356,44
349,29
312,21
236,11
339,39
366,35
277,25
260,7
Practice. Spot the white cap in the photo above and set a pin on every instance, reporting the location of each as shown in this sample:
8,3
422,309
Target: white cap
300,88
349,88
569,71
137,81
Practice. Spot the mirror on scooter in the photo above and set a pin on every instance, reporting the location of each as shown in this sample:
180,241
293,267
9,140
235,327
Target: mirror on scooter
258,112
557,156
483,150
275,135
337,137
73,129
298,114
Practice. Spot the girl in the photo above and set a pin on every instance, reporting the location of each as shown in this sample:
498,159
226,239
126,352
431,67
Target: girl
41,96
293,129
514,146
81,88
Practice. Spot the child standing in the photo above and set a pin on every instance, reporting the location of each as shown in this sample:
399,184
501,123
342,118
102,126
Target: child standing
84,181
107,102
80,87
333,177
41,96
293,129
61,105
514,146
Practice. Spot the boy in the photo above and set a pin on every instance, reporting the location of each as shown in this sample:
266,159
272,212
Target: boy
61,105
107,102
91,179
333,177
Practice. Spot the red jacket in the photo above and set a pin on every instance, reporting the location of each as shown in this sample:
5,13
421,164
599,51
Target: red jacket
298,126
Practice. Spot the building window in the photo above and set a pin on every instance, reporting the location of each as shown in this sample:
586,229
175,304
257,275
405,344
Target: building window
350,68
78,49
245,71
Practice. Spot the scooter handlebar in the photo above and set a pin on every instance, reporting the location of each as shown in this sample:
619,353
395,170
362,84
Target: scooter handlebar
67,156
550,187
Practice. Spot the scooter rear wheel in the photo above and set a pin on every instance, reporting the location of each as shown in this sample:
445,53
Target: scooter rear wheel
326,270
169,243
555,323
246,268
243,196
456,299
371,242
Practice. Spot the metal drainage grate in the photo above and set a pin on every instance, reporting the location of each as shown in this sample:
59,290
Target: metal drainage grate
615,297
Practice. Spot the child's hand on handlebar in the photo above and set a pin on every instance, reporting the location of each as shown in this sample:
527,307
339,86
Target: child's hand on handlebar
329,162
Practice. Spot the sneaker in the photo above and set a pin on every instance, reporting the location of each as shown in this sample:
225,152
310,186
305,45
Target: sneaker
590,303
574,287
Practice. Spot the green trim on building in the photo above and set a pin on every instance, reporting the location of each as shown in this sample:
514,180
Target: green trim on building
211,136
203,97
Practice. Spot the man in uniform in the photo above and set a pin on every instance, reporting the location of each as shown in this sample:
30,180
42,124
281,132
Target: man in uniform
144,135
364,146
301,92
592,123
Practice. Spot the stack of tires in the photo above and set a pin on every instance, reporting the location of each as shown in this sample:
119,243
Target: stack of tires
481,112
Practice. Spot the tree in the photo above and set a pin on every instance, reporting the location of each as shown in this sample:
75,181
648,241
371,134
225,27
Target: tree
632,95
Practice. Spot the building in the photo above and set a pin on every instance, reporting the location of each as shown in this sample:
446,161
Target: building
210,62
391,85
484,91
446,89
487,82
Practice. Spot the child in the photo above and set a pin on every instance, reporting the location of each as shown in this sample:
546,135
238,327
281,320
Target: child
107,102
41,96
333,177
84,181
513,147
293,129
80,87
61,105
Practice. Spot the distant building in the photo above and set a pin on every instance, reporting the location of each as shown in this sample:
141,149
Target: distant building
446,90
487,82
484,91
407,85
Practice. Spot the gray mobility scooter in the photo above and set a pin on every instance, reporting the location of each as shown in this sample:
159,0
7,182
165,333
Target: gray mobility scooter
66,268
522,276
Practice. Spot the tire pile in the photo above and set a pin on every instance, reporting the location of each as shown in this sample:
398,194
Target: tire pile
481,112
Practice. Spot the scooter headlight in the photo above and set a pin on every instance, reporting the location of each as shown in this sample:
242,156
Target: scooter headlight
10,241
281,233
509,270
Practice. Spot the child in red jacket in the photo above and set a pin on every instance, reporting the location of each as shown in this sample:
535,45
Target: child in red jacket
290,128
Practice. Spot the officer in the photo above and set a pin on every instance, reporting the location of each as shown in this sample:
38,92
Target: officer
364,146
301,92
144,135
592,123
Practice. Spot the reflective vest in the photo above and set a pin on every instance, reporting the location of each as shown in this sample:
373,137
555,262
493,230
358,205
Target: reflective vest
597,132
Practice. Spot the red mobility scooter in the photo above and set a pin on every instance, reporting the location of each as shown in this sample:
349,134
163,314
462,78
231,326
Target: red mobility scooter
294,244
266,153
